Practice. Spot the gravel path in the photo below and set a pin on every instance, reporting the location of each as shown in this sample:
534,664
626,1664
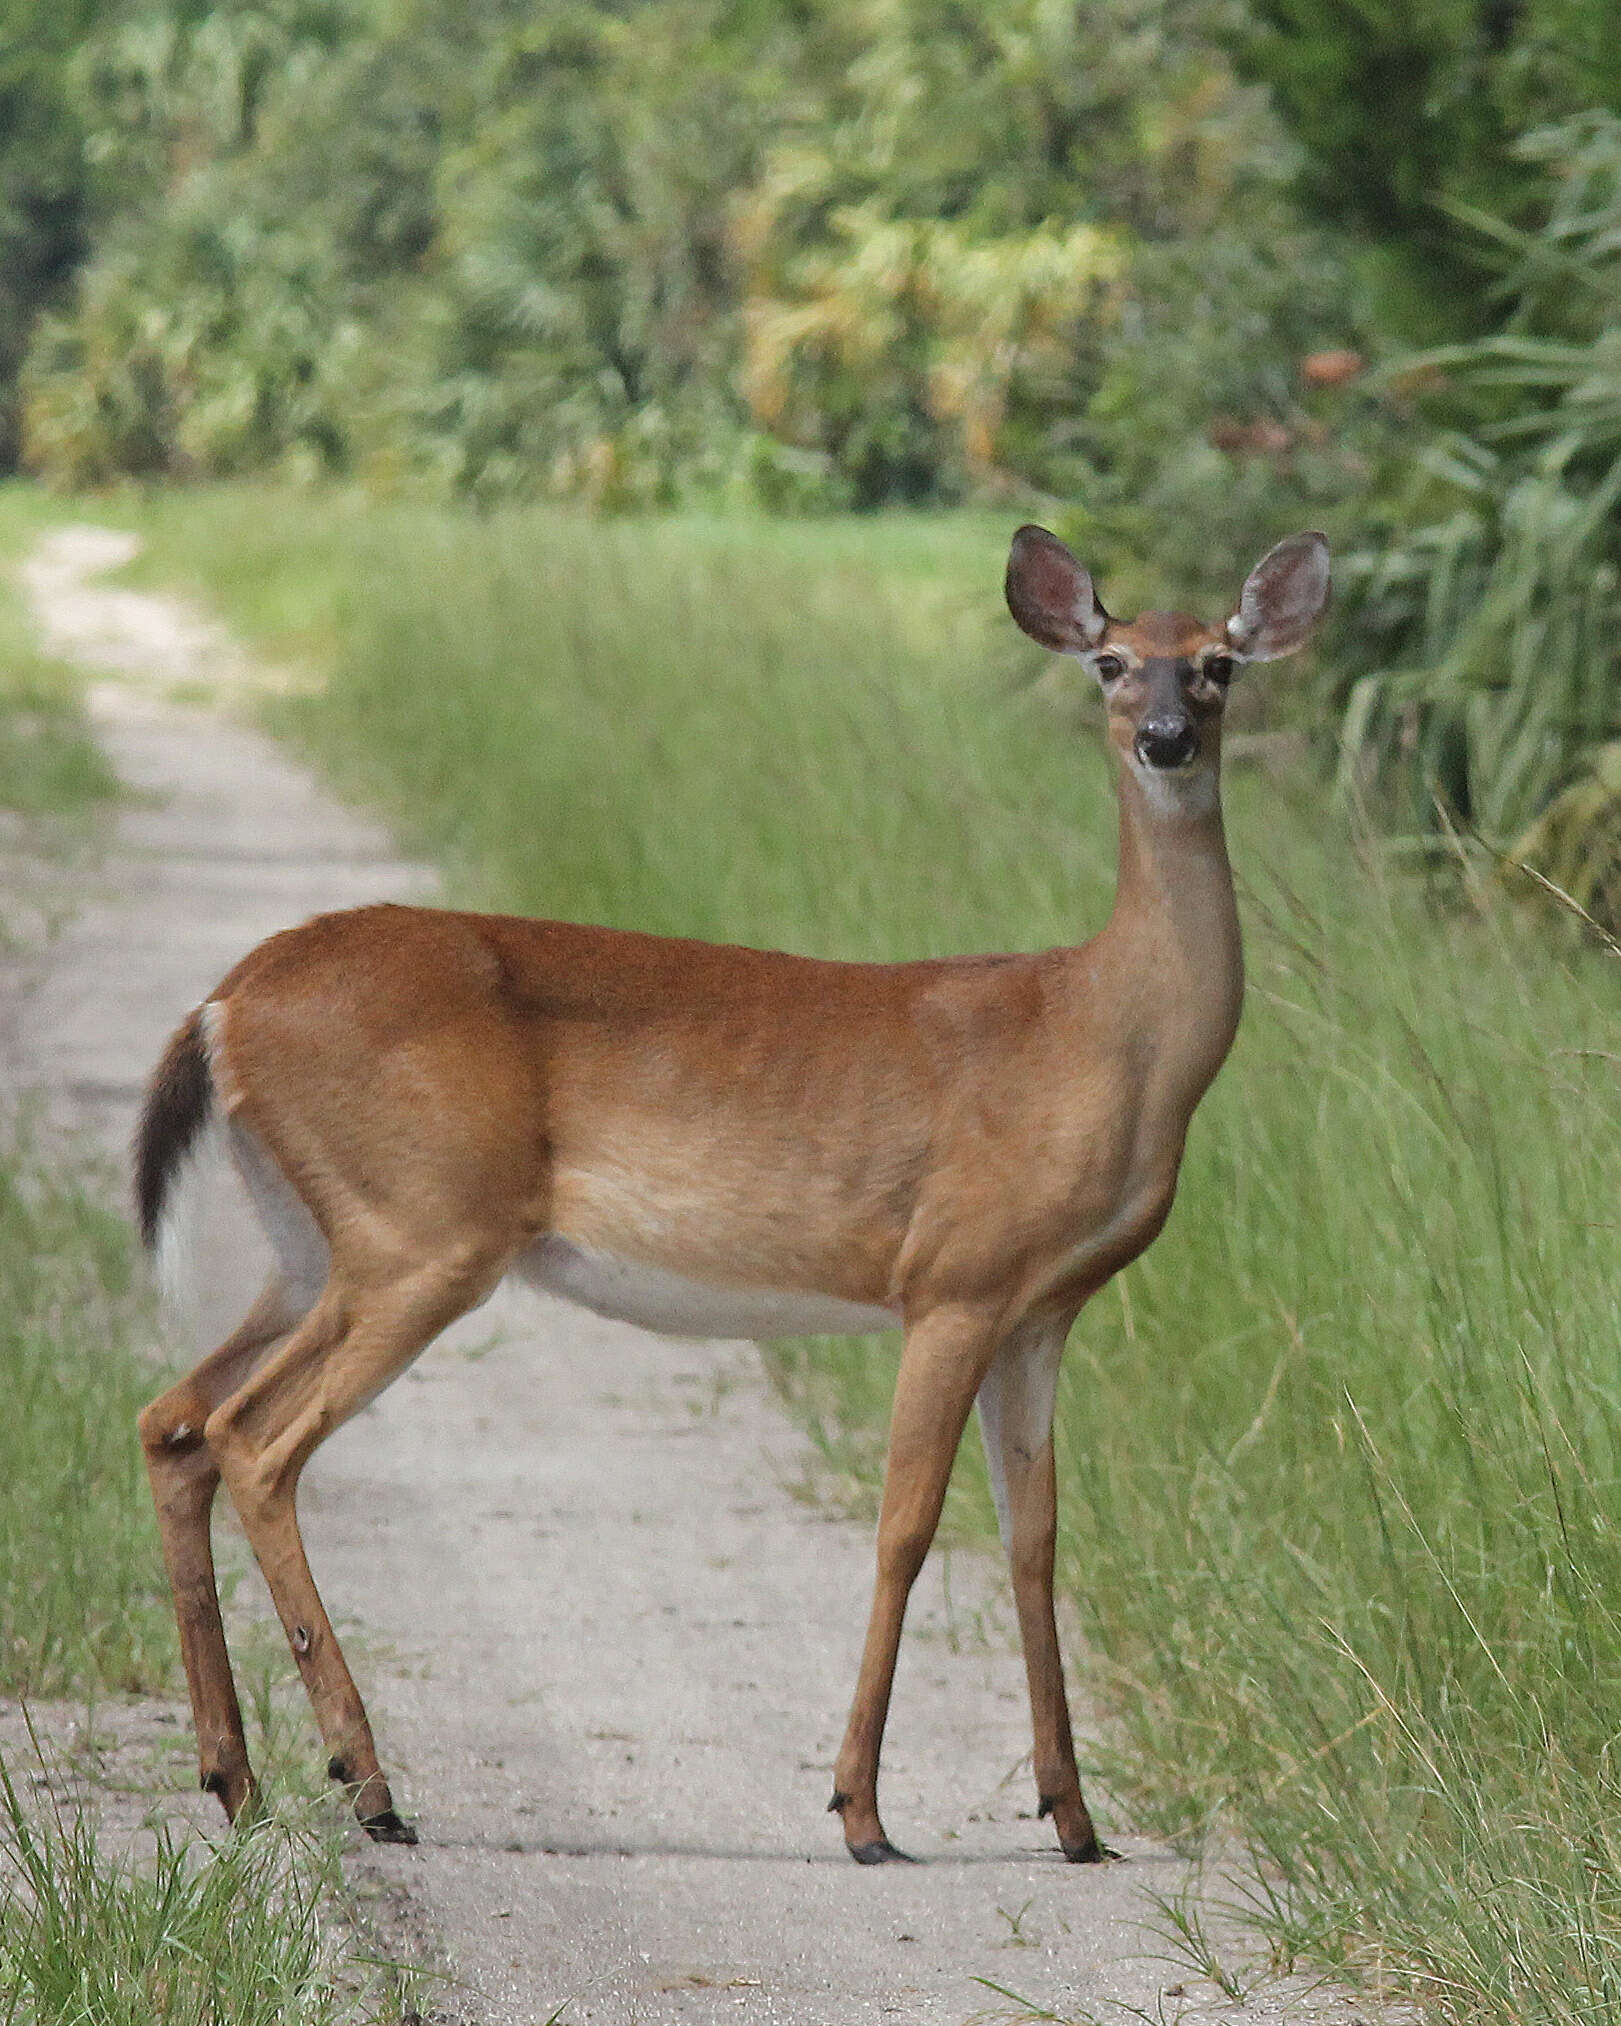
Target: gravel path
609,1651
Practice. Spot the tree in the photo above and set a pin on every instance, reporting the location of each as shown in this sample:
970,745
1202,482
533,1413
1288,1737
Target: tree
43,178
1407,113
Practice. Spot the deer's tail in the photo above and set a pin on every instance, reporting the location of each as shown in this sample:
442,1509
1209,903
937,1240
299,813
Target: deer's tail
179,1102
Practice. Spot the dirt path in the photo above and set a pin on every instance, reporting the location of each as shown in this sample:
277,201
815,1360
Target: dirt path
609,1651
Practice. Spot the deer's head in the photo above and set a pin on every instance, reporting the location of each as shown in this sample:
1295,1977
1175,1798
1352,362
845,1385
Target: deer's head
1164,676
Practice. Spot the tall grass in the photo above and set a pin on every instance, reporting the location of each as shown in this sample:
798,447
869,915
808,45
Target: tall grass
83,1601
696,727
1344,1457
1341,1457
236,1934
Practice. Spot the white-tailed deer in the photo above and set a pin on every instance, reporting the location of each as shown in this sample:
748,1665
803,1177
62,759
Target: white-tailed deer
717,1141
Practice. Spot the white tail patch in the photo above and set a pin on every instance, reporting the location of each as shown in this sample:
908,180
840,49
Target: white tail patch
301,1251
176,1256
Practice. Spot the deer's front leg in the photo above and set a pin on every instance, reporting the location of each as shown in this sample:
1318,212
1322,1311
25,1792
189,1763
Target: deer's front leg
1016,1417
946,1354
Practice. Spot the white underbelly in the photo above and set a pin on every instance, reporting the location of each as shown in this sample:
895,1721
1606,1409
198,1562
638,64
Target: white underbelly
655,1299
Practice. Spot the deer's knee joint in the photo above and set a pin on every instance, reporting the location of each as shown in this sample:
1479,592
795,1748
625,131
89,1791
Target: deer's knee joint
901,1553
168,1430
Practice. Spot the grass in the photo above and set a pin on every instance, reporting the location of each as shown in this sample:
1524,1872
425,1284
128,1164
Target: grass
83,1599
1341,1457
624,744
233,1934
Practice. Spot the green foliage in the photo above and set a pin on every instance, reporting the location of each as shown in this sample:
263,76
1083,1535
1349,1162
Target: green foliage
696,250
933,257
1483,660
43,177
214,327
581,321
1406,113
206,349
1202,444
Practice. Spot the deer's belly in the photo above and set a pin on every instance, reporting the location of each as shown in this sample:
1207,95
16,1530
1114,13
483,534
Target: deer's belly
654,1298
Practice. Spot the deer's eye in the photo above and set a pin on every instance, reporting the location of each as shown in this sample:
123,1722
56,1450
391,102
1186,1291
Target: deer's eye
1109,667
1218,667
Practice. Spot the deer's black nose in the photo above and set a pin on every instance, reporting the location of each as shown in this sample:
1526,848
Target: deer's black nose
1166,742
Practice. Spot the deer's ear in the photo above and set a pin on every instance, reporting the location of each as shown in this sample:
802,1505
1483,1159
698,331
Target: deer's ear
1282,599
1051,595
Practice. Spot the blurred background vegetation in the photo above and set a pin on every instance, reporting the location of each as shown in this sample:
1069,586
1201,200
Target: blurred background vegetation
1184,274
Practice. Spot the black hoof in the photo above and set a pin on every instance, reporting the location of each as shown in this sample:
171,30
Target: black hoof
246,1812
879,1851
1091,1852
388,1828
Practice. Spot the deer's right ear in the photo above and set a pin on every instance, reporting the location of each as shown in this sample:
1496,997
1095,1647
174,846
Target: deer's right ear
1282,599
1051,594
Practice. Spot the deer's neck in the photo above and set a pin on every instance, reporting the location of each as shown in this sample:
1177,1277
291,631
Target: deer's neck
1172,941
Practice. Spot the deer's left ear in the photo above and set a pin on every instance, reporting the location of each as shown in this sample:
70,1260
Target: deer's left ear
1050,593
1282,599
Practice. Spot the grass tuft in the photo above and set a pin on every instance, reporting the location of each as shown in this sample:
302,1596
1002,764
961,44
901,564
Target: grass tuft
234,1933
83,1602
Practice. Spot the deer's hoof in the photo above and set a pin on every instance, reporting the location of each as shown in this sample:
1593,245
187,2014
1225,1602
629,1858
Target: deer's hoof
388,1828
237,1794
879,1851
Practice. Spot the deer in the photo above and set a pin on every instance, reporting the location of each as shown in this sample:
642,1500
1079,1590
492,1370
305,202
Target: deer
711,1140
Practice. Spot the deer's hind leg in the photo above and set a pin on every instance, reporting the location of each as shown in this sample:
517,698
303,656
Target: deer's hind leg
184,1478
362,1332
